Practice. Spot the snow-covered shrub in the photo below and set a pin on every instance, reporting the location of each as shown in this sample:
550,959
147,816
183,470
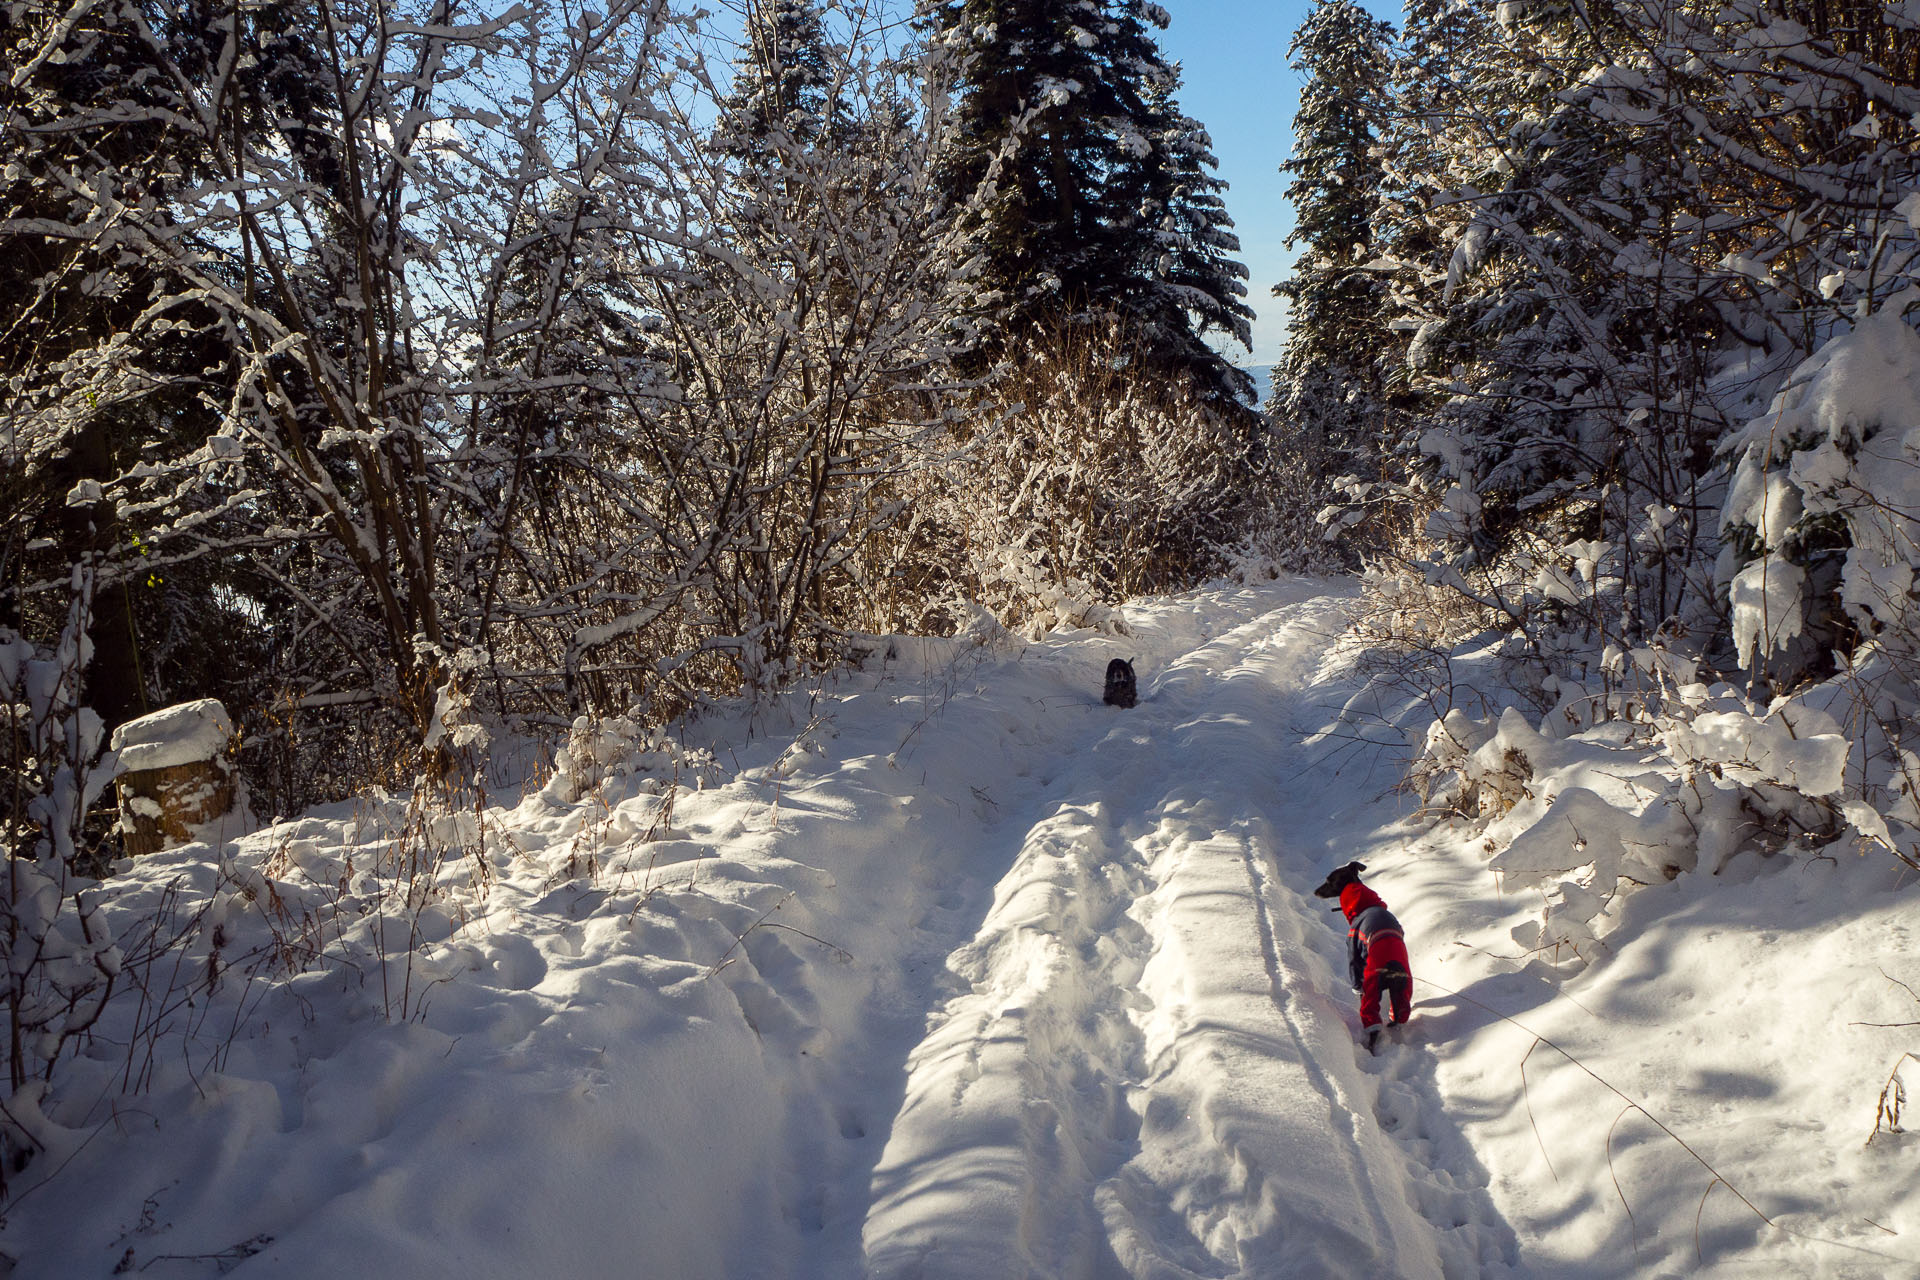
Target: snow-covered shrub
1640,776
1373,521
1088,476
61,962
1560,595
1043,601
1404,608
1822,519
600,748
1822,536
371,908
453,723
456,728
1635,765
1287,526
628,391
387,905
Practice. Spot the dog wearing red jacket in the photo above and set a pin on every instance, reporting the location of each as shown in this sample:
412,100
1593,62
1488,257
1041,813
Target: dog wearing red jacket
1376,950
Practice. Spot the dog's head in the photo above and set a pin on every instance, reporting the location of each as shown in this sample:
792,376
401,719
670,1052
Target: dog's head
1338,879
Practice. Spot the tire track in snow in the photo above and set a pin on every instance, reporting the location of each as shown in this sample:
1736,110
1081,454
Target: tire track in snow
995,734
999,1180
1256,1046
1342,1119
1155,1088
1013,1100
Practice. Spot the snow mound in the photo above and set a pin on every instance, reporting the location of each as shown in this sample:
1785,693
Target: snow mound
190,733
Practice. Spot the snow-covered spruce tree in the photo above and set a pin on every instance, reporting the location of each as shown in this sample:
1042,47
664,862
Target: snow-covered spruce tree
1663,209
1706,292
783,79
1328,402
1822,526
1545,251
1066,115
1509,338
1424,159
1822,519
1808,107
1814,516
1188,281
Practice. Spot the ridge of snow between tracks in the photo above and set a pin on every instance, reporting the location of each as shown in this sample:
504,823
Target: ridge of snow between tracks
1143,1074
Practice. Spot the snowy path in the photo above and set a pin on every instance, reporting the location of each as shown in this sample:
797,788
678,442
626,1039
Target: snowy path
1145,1073
954,973
945,971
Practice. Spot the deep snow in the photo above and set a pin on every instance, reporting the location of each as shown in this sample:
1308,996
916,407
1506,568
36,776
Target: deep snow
947,970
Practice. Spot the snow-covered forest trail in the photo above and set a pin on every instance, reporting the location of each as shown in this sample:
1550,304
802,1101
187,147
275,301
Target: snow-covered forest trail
953,972
946,971
1142,1067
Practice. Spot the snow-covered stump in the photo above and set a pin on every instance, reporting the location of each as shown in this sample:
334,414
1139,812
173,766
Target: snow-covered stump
175,773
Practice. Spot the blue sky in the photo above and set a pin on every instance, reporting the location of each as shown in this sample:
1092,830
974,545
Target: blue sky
1238,84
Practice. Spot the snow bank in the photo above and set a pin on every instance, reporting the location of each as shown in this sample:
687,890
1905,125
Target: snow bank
1644,782
1664,1071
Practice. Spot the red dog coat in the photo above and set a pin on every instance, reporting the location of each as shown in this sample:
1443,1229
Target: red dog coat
1376,954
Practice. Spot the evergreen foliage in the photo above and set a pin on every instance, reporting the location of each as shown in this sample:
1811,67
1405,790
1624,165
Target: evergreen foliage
1329,389
1650,435
783,79
1189,284
1596,239
1099,196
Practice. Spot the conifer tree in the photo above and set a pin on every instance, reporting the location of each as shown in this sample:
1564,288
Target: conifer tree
782,80
1190,282
1329,391
1551,277
1099,196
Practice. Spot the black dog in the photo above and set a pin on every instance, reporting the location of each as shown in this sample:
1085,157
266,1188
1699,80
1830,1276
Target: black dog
1376,950
1122,691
